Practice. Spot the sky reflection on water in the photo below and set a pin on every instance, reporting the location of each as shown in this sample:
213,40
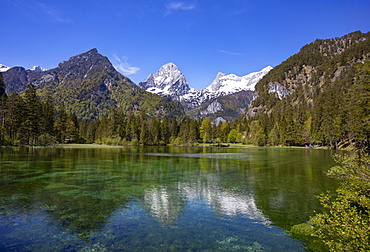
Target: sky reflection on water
122,199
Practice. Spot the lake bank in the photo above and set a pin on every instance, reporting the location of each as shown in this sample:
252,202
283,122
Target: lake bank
228,145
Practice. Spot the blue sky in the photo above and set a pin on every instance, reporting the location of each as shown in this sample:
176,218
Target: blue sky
203,37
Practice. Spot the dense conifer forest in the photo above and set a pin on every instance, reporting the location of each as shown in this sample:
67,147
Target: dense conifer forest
338,117
317,97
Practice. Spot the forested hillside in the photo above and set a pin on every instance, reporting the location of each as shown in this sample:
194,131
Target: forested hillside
89,86
317,96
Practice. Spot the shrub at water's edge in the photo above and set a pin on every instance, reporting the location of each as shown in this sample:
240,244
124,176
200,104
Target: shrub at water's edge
345,225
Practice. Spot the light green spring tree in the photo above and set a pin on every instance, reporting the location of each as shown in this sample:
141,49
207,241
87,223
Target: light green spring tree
345,226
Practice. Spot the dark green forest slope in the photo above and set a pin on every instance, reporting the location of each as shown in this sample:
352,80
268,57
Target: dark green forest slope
319,95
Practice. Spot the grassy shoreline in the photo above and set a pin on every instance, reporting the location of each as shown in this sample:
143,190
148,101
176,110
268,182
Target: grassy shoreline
105,146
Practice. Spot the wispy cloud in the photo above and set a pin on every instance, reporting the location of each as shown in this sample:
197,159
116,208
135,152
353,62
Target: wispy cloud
231,53
52,12
176,6
135,8
123,66
38,11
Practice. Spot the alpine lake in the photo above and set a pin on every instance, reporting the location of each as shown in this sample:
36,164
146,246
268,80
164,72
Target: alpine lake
159,198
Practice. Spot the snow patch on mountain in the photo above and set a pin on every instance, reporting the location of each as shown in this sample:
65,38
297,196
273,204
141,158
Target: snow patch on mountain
169,81
231,83
4,68
37,69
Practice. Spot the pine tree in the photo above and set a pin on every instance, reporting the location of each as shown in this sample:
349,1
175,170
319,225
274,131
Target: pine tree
2,86
48,119
144,134
15,117
359,107
32,115
61,124
206,131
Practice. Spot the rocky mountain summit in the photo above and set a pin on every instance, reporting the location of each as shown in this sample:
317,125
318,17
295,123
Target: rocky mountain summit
225,84
91,87
168,81
37,69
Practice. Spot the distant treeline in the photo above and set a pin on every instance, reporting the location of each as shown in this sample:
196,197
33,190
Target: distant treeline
335,114
340,116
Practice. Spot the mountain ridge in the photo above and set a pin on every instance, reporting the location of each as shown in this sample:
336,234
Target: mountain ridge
91,87
168,81
317,96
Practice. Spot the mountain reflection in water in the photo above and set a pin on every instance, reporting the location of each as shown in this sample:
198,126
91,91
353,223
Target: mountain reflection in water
179,199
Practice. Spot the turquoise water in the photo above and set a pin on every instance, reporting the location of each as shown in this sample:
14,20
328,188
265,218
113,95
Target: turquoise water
158,199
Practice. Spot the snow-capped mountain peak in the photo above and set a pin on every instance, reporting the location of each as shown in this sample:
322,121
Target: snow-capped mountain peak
37,69
231,83
4,68
167,81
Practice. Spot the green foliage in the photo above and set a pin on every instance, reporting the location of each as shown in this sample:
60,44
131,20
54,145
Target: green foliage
326,102
346,224
256,134
206,131
325,99
232,136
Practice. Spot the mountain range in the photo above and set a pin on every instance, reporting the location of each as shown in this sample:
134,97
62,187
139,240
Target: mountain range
89,86
225,99
4,68
168,81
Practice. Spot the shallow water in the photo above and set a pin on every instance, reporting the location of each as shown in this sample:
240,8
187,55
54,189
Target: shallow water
158,199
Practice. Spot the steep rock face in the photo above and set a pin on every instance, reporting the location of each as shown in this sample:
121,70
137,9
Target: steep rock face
17,78
212,108
90,86
167,81
224,108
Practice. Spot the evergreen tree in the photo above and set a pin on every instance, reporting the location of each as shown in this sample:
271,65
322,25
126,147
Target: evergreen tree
2,86
359,107
15,117
206,131
274,137
61,125
3,112
193,132
48,119
257,135
32,114
144,134
165,130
